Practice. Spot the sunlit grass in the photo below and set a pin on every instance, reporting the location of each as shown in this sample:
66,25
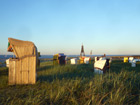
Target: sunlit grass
75,85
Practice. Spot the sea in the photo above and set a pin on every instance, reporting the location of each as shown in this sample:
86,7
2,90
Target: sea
4,57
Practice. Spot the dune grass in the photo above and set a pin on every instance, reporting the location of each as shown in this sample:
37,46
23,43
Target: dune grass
75,85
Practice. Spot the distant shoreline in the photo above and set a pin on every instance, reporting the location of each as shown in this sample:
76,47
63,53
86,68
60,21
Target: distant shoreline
50,56
4,57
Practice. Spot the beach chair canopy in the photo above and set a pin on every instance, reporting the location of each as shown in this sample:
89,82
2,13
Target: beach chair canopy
100,64
22,48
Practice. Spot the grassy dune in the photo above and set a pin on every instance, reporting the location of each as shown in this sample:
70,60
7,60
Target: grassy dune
75,85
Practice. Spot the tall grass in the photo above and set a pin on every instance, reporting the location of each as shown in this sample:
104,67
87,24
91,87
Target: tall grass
75,85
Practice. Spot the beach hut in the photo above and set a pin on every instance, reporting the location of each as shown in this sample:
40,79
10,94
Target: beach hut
101,66
59,59
22,69
134,61
131,59
87,60
81,59
125,59
84,60
73,61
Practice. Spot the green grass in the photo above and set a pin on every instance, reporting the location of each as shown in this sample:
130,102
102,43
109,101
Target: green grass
75,85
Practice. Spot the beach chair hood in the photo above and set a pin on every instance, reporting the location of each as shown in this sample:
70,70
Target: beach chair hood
22,48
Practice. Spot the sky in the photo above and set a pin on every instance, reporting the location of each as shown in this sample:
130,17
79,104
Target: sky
109,27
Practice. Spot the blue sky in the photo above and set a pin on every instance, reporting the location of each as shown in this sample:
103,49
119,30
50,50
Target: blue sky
103,26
